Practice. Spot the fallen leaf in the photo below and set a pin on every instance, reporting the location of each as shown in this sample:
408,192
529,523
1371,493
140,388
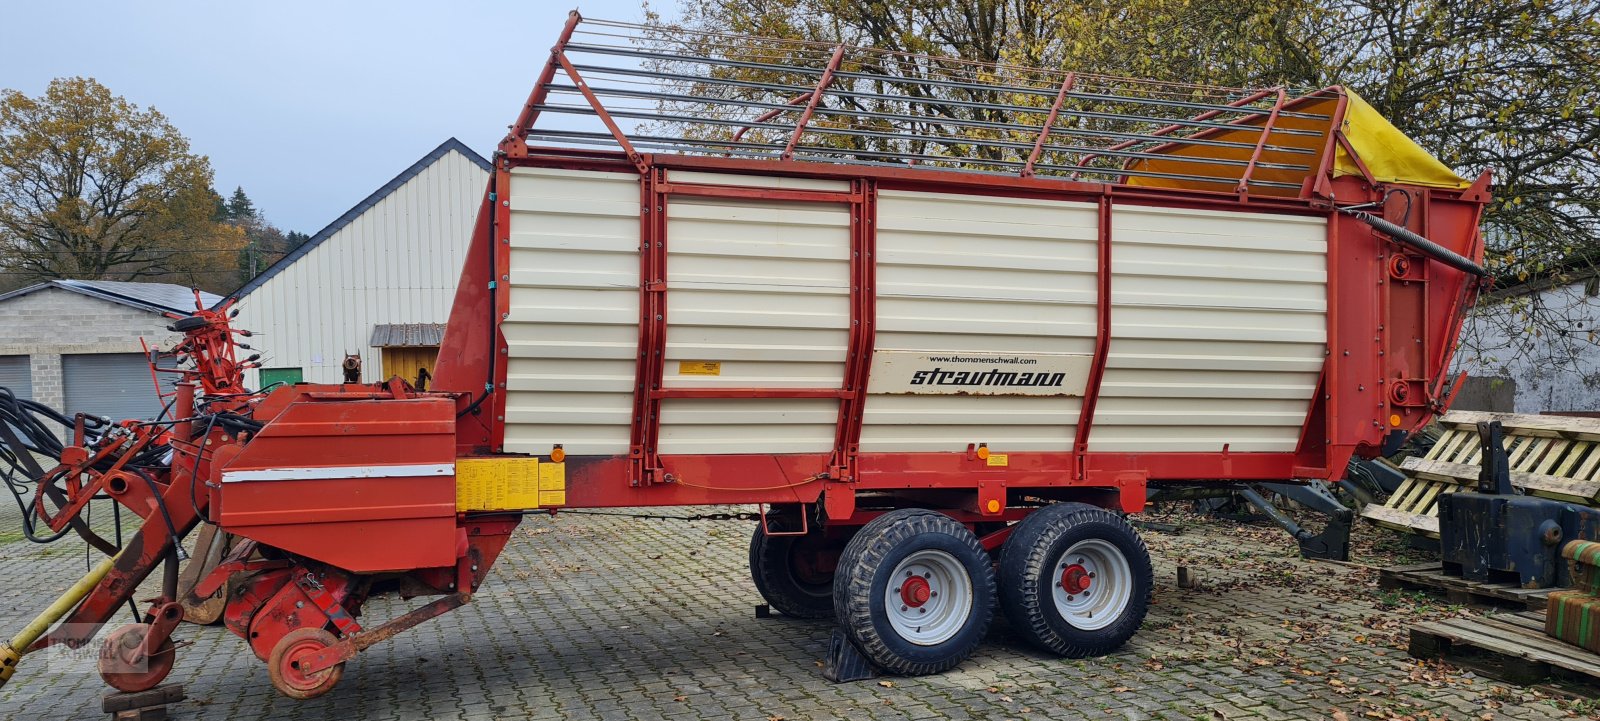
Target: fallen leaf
886,684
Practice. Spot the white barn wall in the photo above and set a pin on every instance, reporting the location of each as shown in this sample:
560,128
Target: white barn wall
1547,340
397,260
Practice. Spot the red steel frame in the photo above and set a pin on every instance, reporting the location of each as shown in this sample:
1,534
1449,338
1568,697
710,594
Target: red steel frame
1343,419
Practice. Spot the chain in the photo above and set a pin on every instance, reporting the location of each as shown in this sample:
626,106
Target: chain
723,516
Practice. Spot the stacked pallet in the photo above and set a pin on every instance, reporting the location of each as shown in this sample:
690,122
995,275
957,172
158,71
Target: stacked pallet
1573,615
1551,457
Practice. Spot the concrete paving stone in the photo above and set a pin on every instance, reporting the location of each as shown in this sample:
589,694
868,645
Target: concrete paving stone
571,625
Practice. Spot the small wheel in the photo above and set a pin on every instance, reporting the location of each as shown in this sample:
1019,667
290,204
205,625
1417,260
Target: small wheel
790,573
124,668
915,591
283,664
1075,580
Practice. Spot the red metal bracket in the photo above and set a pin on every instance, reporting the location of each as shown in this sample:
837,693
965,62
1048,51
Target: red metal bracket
805,523
1261,142
605,117
336,613
811,104
863,328
1102,337
515,143
644,463
164,619
349,646
1049,122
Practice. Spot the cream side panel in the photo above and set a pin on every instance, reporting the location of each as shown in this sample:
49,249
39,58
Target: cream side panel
574,323
963,274
1219,325
758,297
757,181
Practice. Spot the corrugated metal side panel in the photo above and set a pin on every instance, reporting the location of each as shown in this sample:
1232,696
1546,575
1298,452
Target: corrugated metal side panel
114,385
16,374
757,181
1218,330
574,324
398,262
971,274
762,289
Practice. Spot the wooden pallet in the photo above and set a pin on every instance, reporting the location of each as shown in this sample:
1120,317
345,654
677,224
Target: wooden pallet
1551,456
1431,577
1509,646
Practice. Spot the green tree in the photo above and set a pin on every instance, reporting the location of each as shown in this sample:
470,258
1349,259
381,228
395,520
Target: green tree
92,186
239,206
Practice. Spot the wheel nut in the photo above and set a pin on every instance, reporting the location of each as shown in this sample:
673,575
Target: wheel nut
1069,598
904,608
922,610
933,594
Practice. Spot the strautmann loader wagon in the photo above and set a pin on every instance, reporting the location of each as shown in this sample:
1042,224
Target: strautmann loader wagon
944,322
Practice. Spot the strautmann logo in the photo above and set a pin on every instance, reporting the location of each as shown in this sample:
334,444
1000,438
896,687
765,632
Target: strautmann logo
992,378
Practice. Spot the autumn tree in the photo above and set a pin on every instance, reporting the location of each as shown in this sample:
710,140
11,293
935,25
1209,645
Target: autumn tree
94,187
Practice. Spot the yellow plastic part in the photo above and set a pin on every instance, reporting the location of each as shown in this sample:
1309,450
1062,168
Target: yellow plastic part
1389,154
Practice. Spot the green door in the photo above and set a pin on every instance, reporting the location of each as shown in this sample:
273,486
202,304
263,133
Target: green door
286,376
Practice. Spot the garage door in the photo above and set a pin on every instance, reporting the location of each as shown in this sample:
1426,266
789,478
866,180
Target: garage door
14,374
114,385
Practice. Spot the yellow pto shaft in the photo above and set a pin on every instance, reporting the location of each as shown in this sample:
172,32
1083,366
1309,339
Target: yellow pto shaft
12,651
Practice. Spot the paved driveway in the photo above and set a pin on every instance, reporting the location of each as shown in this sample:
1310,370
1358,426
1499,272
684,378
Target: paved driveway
590,616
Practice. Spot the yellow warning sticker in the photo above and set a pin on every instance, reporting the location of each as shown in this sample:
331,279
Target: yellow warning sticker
552,484
496,484
699,368
999,459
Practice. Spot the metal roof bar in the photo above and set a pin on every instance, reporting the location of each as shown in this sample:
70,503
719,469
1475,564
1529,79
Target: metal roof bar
704,92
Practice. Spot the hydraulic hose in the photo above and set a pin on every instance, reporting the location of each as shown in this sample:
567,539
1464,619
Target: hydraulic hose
1427,247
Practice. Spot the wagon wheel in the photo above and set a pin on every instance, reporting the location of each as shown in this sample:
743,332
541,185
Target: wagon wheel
788,572
122,666
915,592
210,546
1075,579
283,664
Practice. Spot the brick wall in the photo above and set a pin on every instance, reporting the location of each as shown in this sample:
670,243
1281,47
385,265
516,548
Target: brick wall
47,324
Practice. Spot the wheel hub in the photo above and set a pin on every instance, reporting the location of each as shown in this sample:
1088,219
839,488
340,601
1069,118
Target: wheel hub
929,597
1075,579
916,591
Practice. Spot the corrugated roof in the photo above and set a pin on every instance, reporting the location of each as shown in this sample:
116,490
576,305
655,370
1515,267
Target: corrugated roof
407,335
361,207
153,297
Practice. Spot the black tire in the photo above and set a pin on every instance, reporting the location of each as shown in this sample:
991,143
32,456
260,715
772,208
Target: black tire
862,583
784,579
1030,577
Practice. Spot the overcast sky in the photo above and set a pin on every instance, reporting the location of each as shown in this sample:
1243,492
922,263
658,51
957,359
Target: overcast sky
310,106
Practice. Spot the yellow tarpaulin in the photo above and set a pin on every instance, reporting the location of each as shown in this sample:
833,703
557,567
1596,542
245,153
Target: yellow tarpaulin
1389,155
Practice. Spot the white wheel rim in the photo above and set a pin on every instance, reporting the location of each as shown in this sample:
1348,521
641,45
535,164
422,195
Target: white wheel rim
929,598
1091,584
